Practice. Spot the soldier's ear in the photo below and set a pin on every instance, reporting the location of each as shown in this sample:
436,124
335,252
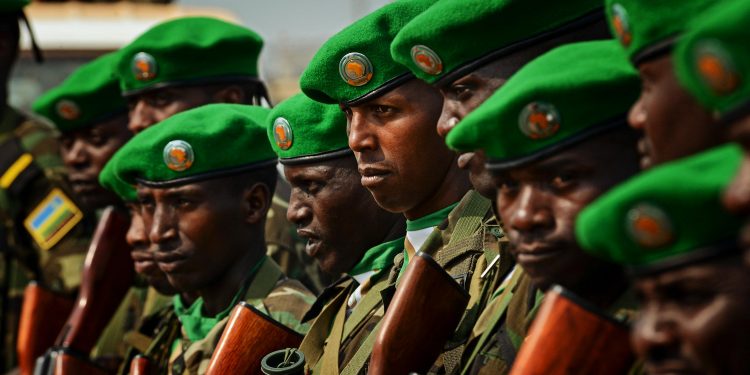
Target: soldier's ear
232,94
256,203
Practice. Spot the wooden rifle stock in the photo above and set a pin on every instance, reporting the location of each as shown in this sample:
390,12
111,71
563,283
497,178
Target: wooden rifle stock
108,274
247,338
424,312
43,315
66,363
141,365
569,336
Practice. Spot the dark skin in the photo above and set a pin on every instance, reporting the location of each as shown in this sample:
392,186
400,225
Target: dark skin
539,202
385,134
736,198
143,256
463,95
669,134
208,235
338,217
86,151
694,319
153,106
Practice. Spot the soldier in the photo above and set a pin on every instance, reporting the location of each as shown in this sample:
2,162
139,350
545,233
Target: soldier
647,32
711,62
450,53
388,113
669,228
164,72
205,180
39,239
549,158
447,53
347,231
92,117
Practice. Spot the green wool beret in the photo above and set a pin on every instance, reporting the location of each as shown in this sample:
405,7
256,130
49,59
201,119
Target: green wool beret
302,131
649,28
89,95
13,5
210,141
455,37
357,60
189,50
562,97
665,216
712,60
109,180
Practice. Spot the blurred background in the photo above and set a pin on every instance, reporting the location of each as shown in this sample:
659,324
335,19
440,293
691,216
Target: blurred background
73,32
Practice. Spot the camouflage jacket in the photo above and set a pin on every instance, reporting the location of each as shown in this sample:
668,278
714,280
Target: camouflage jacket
44,236
470,245
285,300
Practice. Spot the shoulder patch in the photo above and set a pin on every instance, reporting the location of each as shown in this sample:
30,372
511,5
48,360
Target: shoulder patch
52,219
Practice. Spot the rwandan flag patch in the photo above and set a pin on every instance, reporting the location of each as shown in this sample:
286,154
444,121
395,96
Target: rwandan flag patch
52,219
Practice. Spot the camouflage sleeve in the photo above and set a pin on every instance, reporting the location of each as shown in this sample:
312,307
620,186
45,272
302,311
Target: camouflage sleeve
287,304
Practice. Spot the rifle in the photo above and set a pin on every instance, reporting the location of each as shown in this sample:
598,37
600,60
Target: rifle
425,310
141,365
107,275
247,338
564,335
43,315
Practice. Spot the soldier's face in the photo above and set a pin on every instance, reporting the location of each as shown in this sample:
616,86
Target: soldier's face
85,152
674,125
158,105
403,162
460,97
143,254
695,319
338,217
539,203
196,230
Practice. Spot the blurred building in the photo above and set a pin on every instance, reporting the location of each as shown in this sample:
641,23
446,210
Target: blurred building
73,32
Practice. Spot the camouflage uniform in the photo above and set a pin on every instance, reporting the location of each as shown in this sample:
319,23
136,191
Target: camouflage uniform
466,244
344,322
23,189
283,299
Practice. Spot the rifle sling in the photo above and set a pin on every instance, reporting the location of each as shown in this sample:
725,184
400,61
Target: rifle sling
313,343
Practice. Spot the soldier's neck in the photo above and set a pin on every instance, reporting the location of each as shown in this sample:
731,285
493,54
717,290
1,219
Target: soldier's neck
604,287
219,295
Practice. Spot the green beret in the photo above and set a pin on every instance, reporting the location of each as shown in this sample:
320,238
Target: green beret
303,131
649,28
564,96
712,60
455,37
666,216
110,181
90,95
357,61
189,50
7,6
210,141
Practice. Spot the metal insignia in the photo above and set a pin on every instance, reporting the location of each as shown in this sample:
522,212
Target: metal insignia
355,69
144,66
539,120
716,67
68,109
282,133
649,226
621,24
426,59
178,155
